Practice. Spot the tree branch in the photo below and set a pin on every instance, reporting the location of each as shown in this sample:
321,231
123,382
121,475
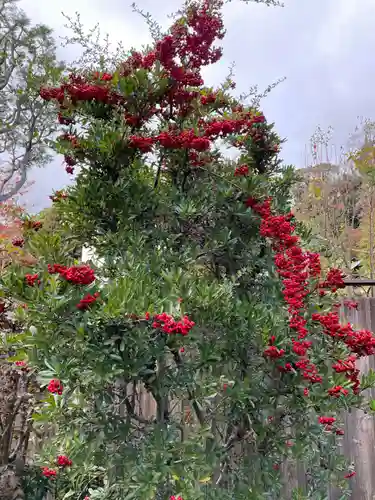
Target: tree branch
15,120
196,406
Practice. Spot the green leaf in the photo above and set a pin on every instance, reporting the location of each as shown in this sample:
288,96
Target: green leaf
69,494
127,86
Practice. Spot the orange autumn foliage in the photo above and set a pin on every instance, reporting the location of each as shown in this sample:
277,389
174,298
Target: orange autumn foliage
10,253
11,229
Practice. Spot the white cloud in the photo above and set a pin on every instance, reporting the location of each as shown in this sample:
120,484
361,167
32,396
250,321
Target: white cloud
344,21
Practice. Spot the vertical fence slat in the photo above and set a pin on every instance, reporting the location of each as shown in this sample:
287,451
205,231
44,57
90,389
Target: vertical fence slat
359,425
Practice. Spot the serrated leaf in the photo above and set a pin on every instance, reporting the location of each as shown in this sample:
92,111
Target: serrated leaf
205,480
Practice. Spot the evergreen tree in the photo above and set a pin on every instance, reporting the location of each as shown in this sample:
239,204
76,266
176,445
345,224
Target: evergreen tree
205,299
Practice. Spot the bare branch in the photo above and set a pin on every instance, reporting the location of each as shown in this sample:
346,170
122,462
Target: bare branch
27,61
15,119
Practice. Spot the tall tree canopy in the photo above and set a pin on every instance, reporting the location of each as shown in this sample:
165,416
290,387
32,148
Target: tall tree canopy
27,60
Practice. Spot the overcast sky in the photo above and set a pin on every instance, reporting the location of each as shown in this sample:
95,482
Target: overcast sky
324,48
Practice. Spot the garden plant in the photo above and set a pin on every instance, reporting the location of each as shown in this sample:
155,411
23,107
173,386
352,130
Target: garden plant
206,298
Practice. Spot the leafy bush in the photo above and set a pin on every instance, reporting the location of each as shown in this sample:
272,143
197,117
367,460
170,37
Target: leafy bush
205,299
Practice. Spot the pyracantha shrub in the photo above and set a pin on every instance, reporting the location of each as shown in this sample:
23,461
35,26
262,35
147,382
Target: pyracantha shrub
209,302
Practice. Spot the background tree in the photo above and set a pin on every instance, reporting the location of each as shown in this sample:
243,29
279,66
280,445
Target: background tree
336,200
328,201
27,61
362,156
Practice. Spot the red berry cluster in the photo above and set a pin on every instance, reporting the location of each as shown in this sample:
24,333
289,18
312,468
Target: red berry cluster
327,420
337,391
208,99
350,304
361,343
187,139
105,77
349,369
334,280
272,351
56,268
87,301
47,472
190,43
64,461
22,365
77,89
144,144
181,55
63,120
55,387
70,162
71,139
18,242
31,279
169,325
328,423
78,275
293,265
297,269
198,139
241,171
74,144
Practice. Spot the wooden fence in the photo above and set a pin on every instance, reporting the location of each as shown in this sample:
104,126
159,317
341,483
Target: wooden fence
359,439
